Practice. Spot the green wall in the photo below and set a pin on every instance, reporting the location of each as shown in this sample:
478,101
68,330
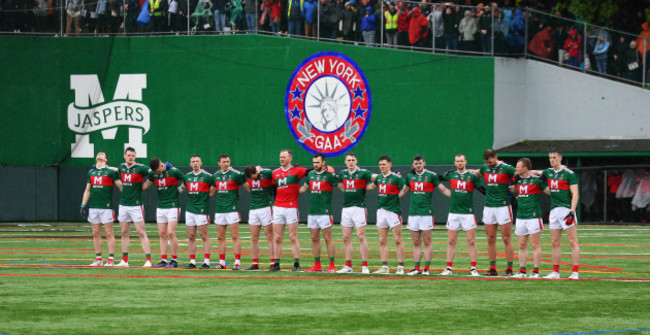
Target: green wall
214,94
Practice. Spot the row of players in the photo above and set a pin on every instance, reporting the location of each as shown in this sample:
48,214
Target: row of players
274,205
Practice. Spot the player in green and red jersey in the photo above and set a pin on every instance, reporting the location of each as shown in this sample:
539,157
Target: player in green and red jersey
529,216
320,183
461,212
497,211
131,209
199,189
260,214
388,186
167,180
563,188
97,206
285,209
353,183
227,181
421,183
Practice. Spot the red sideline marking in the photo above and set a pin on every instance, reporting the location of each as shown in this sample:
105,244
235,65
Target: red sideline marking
307,278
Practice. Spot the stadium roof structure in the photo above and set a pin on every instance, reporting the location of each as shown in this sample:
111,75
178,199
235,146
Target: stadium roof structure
580,148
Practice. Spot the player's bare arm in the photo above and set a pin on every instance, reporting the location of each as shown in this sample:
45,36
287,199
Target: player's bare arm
403,191
304,188
574,197
444,190
118,183
86,196
147,183
340,187
213,191
246,186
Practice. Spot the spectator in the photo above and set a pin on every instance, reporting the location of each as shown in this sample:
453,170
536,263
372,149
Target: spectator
600,53
572,47
390,18
156,13
73,10
619,50
501,28
265,15
173,16
40,14
236,19
309,13
632,62
467,29
542,44
403,22
202,12
294,15
418,28
485,29
450,28
644,36
275,15
438,25
249,9
516,37
219,11
368,26
349,18
102,10
132,9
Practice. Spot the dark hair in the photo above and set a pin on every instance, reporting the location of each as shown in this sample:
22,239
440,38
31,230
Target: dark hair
154,163
319,155
129,149
250,170
556,151
489,153
351,154
386,158
460,155
223,156
418,158
195,155
525,162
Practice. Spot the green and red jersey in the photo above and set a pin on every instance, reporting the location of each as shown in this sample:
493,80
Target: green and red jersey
422,186
261,189
167,184
462,191
227,184
354,186
101,187
132,179
287,183
559,183
198,192
388,187
528,191
497,184
321,185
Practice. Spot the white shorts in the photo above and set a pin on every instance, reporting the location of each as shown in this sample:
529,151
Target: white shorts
388,219
462,222
319,221
528,226
260,217
165,215
99,215
131,214
421,222
354,217
224,219
192,219
285,215
556,218
497,215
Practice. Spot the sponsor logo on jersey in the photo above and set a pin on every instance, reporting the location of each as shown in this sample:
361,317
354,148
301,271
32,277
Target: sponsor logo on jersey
90,113
328,104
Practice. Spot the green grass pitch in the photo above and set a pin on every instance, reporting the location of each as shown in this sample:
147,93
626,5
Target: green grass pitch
43,289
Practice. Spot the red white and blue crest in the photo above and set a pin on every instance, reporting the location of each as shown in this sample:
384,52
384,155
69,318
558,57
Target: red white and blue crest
328,104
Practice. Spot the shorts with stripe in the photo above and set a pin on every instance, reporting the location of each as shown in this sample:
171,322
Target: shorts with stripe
165,215
100,215
497,215
260,217
388,219
319,221
528,226
131,214
192,219
464,222
421,222
556,218
285,215
354,217
224,219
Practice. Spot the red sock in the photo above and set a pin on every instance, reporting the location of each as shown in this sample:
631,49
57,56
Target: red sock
206,255
237,256
222,257
348,263
125,258
256,261
174,257
163,257
473,264
449,264
493,267
331,263
426,267
417,267
272,260
556,268
149,258
317,263
98,258
192,256
576,268
364,263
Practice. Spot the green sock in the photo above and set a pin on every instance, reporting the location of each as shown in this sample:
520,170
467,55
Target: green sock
331,259
417,264
536,269
317,259
384,263
147,255
111,256
400,263
427,263
522,269
98,255
296,262
125,254
493,263
510,265
277,262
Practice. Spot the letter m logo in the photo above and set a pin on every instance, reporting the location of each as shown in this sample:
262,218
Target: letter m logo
419,186
554,184
97,180
223,185
523,189
461,185
194,187
382,188
492,178
162,182
126,177
282,181
315,185
349,184
255,183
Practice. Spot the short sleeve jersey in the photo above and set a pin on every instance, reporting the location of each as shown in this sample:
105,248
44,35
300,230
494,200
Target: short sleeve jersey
528,191
198,192
287,183
559,183
497,182
462,191
227,184
422,186
167,184
388,187
101,187
132,179
321,186
354,186
261,190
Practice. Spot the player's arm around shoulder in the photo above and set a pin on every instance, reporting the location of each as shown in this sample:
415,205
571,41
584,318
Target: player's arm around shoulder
304,188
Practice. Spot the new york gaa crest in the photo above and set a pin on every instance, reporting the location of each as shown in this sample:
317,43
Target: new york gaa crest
328,104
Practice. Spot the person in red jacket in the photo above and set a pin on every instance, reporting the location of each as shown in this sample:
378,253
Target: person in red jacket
276,15
572,46
418,28
403,20
542,44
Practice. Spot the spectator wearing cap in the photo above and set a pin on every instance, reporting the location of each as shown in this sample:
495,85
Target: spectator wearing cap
572,46
368,26
600,53
403,21
308,13
349,18
390,17
467,29
418,28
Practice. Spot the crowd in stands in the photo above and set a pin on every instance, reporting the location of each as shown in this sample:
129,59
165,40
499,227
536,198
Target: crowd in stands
460,26
627,195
